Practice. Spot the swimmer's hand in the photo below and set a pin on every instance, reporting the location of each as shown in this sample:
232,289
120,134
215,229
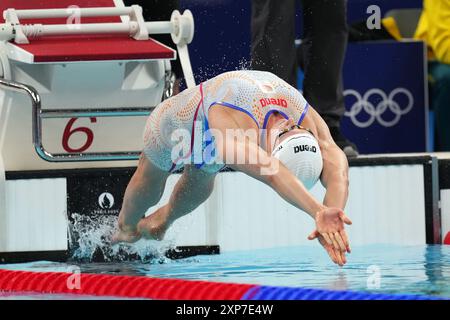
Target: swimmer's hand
337,256
330,225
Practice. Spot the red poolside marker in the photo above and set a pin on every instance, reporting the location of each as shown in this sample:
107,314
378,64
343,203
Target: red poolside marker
447,238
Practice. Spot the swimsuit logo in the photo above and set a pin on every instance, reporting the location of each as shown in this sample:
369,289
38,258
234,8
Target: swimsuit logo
272,101
365,105
106,200
304,147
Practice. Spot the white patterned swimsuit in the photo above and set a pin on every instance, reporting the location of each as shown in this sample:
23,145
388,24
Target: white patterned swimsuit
255,93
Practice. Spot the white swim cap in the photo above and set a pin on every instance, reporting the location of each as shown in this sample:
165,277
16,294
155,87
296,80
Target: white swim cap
301,154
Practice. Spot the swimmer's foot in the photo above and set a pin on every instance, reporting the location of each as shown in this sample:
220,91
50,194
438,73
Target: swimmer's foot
154,226
125,234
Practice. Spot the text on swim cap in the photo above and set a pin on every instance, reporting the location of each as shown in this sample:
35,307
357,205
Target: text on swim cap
272,101
305,147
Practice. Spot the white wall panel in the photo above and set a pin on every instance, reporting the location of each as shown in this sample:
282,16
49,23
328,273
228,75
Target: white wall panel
251,215
35,218
386,204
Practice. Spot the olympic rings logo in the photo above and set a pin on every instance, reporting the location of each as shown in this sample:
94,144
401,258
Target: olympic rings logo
363,104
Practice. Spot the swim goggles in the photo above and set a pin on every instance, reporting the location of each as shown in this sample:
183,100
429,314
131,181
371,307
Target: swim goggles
295,126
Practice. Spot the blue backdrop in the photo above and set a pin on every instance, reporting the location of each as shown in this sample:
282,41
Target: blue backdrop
222,36
385,96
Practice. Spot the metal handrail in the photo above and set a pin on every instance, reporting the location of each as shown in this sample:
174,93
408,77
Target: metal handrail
38,114
88,113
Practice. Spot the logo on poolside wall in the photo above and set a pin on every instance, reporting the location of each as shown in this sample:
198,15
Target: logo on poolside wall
375,106
97,193
106,200
106,203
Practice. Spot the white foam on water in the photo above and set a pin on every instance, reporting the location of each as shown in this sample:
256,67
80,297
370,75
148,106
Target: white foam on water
90,239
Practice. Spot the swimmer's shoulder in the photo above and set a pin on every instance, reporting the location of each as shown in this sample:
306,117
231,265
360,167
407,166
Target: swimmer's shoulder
254,79
246,74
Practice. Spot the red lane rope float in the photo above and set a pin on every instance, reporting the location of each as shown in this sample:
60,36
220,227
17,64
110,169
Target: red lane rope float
120,286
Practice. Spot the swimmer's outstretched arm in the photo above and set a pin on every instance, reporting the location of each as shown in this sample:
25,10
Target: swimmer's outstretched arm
335,166
272,172
292,190
334,178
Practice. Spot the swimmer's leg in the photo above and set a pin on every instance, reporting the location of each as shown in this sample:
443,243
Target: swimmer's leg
191,190
143,191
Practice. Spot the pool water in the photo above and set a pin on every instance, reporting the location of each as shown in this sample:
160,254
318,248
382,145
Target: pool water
379,269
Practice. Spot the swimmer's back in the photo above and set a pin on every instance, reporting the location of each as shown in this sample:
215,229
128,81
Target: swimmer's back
255,93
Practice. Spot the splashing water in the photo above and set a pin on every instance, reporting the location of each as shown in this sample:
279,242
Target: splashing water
245,64
90,240
207,72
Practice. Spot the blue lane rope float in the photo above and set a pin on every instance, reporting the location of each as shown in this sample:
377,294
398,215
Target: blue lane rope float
285,293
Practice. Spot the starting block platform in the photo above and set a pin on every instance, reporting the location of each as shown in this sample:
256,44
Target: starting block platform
80,47
77,61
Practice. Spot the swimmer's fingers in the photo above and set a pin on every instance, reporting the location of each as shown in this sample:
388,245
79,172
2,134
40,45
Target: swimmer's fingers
340,241
345,218
334,242
327,238
329,249
335,255
341,258
346,242
332,254
315,234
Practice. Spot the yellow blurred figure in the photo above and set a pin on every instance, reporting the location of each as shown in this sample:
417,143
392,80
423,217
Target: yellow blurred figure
434,29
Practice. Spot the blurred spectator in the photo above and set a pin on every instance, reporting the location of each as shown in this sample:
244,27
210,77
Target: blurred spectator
161,10
322,53
434,29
